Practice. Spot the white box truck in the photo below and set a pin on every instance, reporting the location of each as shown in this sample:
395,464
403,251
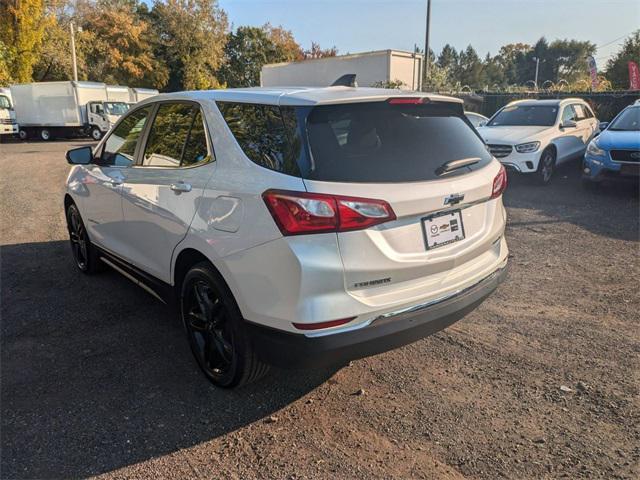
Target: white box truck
8,123
60,109
138,94
371,69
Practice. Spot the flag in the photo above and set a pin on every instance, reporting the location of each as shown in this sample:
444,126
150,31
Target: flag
634,76
593,71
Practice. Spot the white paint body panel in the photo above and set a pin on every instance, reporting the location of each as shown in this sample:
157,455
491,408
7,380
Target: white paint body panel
278,280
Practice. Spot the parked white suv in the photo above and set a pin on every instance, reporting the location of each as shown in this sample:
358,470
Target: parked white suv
296,226
534,136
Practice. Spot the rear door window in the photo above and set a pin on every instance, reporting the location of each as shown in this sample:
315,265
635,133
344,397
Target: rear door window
261,132
120,147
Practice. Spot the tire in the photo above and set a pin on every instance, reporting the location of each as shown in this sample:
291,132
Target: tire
215,330
546,167
96,133
45,134
23,134
84,253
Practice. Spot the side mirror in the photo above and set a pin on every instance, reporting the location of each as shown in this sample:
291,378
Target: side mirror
603,126
80,156
568,124
482,123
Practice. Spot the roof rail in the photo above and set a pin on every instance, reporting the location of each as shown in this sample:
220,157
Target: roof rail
347,80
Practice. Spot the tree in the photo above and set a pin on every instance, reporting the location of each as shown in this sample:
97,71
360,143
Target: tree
192,35
318,52
470,68
247,50
617,67
508,59
22,25
287,49
117,46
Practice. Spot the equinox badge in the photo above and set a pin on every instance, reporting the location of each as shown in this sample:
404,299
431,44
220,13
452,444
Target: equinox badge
454,198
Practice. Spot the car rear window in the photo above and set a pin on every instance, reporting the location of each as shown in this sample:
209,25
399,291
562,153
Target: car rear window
368,142
382,142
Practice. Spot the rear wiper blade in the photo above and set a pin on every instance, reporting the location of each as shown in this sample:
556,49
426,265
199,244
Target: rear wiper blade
456,164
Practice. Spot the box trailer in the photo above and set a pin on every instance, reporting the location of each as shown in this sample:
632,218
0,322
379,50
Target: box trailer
379,68
50,109
8,123
138,94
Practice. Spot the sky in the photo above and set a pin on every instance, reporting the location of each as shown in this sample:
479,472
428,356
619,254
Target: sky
364,25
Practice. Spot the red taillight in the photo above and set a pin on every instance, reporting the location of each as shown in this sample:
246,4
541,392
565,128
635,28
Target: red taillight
407,100
318,326
298,213
499,183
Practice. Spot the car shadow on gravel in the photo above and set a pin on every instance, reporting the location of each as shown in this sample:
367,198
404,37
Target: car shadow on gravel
609,210
97,375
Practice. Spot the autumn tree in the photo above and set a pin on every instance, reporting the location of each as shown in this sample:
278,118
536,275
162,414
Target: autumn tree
192,38
248,49
22,25
118,46
316,51
617,67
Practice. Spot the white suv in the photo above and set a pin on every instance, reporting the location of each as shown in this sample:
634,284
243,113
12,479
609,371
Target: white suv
534,136
294,227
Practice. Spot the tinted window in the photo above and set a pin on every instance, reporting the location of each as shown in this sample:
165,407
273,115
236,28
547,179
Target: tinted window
260,132
120,147
168,135
522,115
380,142
196,150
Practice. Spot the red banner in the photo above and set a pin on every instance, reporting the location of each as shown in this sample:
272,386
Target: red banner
634,76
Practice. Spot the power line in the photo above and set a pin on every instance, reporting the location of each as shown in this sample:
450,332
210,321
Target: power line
613,41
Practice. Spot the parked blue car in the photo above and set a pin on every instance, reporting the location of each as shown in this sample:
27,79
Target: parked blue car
615,153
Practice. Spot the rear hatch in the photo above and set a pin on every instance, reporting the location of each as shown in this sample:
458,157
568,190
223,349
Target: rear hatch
446,224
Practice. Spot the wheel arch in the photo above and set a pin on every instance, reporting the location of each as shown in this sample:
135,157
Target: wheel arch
190,256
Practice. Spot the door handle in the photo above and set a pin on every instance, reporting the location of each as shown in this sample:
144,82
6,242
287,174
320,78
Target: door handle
114,182
180,187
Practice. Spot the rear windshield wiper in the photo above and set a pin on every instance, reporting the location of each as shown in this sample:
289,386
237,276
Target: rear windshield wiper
452,165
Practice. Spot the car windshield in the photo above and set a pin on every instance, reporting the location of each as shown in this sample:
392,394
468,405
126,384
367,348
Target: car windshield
525,115
116,108
4,102
628,120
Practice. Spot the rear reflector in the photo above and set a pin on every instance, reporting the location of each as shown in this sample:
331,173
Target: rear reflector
299,213
320,325
499,183
407,100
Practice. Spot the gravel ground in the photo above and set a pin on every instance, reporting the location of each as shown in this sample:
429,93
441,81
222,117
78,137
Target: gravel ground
541,381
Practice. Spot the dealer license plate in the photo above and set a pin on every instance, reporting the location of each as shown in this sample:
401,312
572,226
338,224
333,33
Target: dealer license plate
443,229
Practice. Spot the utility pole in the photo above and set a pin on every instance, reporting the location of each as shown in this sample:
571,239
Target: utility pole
73,53
426,42
537,67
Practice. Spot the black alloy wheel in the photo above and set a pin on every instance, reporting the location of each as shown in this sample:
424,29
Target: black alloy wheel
215,330
78,237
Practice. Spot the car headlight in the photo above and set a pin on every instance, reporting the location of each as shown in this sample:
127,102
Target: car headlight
527,147
594,150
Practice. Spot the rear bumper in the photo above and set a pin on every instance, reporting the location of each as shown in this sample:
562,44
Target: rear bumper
385,333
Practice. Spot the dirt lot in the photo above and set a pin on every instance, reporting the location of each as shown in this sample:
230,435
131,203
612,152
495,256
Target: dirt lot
542,381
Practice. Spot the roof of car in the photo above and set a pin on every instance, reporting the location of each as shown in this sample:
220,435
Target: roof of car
551,102
301,96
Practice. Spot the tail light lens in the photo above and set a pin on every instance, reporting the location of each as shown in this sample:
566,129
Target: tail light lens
298,213
499,183
320,325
